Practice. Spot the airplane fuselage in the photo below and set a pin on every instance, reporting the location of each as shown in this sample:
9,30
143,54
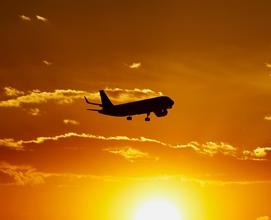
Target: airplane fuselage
158,105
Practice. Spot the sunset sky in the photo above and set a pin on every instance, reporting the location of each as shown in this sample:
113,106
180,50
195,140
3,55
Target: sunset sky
210,156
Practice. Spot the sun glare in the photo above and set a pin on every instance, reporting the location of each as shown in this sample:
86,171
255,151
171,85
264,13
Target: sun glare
157,209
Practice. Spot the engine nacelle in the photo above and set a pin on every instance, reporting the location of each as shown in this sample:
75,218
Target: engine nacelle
161,113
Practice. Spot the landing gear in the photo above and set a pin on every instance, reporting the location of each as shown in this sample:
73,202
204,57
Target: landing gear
148,118
129,118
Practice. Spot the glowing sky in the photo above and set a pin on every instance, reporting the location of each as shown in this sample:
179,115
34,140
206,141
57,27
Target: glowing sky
211,154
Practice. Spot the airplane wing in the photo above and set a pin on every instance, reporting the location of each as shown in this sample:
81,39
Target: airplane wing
92,103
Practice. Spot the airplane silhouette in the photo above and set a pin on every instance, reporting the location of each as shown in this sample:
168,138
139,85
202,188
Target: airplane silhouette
157,105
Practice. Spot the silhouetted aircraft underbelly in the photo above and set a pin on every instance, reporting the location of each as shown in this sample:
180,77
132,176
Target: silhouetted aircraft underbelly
135,108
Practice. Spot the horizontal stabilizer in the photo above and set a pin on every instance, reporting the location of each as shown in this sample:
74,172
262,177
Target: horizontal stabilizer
92,103
95,110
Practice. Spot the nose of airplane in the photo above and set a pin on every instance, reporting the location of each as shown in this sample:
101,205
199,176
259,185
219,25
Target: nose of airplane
170,102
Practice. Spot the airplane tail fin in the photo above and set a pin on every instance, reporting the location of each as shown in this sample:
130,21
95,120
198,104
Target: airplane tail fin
106,103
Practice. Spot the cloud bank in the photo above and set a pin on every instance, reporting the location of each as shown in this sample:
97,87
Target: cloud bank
209,148
68,96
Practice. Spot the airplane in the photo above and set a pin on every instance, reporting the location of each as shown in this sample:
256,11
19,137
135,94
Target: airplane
157,105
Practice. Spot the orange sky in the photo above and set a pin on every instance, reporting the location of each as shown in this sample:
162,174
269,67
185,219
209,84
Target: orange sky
210,154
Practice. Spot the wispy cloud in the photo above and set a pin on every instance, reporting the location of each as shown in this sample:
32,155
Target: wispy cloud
70,121
22,175
212,148
68,96
47,63
268,65
37,97
135,65
28,175
24,18
9,91
268,118
129,153
257,153
11,143
263,218
209,148
125,95
40,18
34,111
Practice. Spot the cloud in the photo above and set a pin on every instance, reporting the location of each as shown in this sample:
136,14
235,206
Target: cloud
11,143
135,65
40,18
39,140
70,121
268,65
22,175
27,175
25,18
125,95
210,148
257,153
129,153
136,92
68,96
263,218
9,91
47,63
37,97
34,111
268,118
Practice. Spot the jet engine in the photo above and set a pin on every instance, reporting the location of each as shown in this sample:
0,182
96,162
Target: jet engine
161,113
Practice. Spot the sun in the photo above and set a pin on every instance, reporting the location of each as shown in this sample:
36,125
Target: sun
157,209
